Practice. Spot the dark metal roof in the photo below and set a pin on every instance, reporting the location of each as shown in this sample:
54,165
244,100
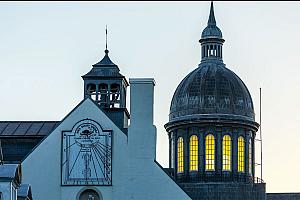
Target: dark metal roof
104,68
106,61
211,90
27,128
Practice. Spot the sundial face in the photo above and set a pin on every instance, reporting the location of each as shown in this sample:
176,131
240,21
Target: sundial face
86,151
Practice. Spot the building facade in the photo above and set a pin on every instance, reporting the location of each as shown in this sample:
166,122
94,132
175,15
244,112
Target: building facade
212,128
94,153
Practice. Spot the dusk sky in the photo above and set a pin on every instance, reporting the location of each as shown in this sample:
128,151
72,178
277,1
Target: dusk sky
45,48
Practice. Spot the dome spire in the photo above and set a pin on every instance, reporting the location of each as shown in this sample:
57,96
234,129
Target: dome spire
211,19
211,39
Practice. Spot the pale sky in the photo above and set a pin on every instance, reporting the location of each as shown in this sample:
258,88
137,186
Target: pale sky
46,47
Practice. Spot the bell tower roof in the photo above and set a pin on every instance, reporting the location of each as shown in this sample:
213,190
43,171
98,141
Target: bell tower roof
106,86
104,68
106,61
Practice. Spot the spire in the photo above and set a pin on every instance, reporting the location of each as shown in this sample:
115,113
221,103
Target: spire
211,19
106,50
211,39
211,30
105,60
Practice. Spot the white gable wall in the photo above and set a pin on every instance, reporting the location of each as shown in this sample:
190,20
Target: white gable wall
135,175
42,168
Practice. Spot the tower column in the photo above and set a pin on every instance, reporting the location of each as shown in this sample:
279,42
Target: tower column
247,153
97,93
234,153
218,151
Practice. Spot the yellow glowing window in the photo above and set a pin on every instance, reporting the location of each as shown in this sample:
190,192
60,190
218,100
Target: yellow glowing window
180,155
193,153
250,157
241,154
210,152
226,153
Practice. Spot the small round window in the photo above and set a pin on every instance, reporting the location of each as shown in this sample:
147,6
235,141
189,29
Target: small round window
89,195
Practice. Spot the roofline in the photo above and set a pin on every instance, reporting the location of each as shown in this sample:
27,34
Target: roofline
22,136
172,179
27,121
42,140
84,77
55,123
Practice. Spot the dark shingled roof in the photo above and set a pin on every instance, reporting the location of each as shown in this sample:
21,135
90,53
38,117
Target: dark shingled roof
104,68
211,90
27,128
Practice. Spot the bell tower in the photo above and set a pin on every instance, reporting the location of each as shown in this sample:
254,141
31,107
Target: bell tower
107,87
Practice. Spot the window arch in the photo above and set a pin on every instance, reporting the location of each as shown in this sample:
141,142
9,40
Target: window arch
89,194
241,154
103,89
115,95
180,155
210,152
193,153
91,91
226,157
250,156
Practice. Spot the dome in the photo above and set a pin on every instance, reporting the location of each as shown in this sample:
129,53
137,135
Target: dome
211,32
211,91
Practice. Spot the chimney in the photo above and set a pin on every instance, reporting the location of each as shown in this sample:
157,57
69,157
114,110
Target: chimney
142,132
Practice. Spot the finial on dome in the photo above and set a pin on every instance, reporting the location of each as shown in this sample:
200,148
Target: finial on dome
211,19
211,30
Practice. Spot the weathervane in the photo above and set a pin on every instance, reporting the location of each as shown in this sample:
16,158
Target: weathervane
106,51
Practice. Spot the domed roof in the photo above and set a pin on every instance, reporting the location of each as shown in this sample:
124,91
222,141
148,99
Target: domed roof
211,91
211,32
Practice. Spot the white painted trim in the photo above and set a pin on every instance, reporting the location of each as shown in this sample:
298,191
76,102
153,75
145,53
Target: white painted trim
142,81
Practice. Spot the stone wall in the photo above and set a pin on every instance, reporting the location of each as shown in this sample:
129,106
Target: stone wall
225,191
283,196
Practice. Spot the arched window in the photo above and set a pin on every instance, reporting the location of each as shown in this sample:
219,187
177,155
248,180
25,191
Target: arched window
89,194
210,152
180,155
193,153
115,95
103,88
91,91
241,154
250,156
226,153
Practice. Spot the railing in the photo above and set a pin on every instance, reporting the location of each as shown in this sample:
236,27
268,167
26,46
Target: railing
258,180
216,177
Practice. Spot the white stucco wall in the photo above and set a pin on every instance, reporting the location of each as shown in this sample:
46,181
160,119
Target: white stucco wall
42,168
148,180
135,175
